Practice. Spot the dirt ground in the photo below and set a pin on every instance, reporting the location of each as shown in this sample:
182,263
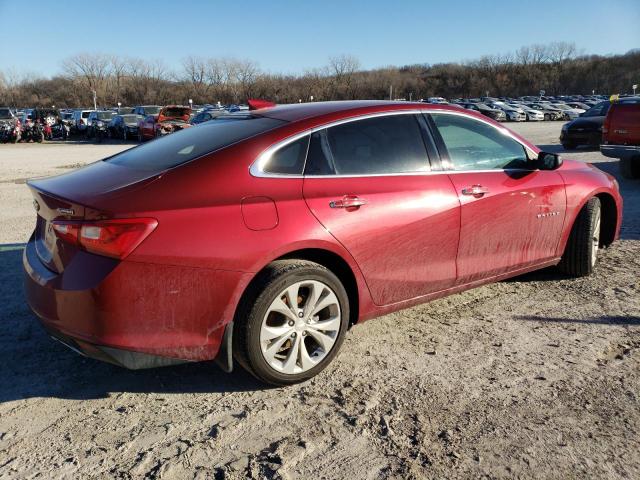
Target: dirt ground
538,377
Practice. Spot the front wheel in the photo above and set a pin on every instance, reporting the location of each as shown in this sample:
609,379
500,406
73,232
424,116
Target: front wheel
581,252
630,167
291,322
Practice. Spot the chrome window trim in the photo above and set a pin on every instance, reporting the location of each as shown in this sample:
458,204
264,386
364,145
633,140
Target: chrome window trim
257,167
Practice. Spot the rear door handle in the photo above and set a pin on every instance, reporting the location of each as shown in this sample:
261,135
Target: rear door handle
348,201
475,190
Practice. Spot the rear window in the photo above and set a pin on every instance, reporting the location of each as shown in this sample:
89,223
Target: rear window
186,145
85,114
105,115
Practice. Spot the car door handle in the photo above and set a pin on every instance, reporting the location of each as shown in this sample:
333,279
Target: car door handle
348,201
475,190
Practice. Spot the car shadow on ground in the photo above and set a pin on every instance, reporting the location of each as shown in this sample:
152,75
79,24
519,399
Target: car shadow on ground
34,365
606,320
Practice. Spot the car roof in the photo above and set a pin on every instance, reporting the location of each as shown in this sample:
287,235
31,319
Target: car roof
304,111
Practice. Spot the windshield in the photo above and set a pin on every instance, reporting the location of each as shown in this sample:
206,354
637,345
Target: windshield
130,118
152,110
185,145
105,115
598,110
562,106
5,114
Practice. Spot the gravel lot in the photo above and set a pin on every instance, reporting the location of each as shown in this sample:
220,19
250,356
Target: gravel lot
533,377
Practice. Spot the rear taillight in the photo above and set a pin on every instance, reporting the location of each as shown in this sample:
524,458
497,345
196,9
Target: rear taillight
111,238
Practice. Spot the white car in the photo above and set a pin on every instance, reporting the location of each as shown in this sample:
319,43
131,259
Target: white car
569,113
513,114
532,114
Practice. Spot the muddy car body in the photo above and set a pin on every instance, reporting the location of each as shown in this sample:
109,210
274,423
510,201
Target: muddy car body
262,236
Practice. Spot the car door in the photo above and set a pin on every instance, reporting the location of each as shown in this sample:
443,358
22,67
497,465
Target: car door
368,181
512,214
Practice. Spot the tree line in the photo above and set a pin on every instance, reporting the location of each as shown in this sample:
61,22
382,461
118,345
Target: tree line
558,68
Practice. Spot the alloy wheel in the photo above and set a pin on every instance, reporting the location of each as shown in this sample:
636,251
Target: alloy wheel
300,327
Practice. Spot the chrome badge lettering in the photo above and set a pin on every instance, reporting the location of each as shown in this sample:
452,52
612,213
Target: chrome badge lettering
548,214
65,211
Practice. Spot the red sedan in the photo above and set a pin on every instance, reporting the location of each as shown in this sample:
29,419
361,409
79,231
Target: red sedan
263,236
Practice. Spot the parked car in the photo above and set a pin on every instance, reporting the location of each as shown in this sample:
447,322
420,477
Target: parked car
531,114
168,120
79,120
569,113
586,129
549,112
146,110
204,244
9,126
513,114
124,126
97,124
206,116
621,135
493,113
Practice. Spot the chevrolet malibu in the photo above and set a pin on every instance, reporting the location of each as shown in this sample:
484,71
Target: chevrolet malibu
260,237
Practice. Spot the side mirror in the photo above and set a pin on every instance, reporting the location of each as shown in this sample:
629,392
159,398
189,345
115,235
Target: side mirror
548,161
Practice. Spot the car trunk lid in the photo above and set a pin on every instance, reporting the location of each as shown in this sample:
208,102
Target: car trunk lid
76,196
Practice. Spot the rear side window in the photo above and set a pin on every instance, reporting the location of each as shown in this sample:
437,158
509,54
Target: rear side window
288,160
372,146
185,145
475,145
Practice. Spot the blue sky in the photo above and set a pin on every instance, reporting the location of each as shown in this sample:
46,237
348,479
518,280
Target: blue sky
290,36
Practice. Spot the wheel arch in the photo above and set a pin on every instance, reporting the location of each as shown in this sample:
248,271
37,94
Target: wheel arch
609,218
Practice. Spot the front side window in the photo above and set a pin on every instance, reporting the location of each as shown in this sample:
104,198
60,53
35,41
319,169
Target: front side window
475,145
372,146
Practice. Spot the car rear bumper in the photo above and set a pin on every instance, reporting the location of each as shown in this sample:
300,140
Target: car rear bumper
138,315
620,151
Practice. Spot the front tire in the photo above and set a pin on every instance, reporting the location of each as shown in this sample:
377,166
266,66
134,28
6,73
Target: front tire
630,167
581,253
291,322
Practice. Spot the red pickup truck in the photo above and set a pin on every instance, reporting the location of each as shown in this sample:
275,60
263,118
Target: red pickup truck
621,135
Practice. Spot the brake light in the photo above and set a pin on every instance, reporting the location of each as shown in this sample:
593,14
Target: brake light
257,104
111,238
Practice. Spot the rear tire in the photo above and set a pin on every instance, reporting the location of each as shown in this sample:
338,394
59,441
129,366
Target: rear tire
581,252
630,168
296,335
569,146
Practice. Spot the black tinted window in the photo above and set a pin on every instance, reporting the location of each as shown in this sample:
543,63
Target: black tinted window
185,145
379,145
475,145
288,160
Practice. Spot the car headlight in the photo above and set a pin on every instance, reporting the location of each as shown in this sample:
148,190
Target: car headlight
100,124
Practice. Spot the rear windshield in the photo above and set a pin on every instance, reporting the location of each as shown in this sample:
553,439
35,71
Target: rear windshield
130,118
185,145
152,110
85,114
105,115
